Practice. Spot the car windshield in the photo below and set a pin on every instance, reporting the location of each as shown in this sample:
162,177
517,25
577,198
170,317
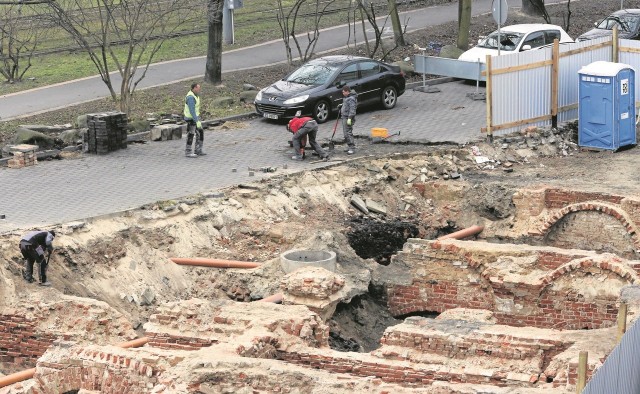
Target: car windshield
312,74
624,22
508,40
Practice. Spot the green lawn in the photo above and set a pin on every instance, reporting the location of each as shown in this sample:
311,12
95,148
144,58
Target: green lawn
255,23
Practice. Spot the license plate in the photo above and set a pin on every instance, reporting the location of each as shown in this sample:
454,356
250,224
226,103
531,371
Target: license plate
270,116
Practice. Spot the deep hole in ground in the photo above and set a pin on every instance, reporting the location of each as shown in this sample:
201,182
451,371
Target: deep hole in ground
379,239
359,325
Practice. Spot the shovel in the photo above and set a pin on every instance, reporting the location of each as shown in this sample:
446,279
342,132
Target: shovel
335,127
392,135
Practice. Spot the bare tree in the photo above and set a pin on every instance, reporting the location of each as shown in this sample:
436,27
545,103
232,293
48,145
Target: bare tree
213,69
122,35
369,11
288,21
19,38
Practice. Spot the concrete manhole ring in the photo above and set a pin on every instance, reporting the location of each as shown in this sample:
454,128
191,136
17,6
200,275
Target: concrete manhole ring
292,260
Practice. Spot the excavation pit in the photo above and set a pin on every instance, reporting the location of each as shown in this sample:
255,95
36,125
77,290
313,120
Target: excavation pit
510,314
292,260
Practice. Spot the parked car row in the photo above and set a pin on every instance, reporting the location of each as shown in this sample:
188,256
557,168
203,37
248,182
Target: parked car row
525,37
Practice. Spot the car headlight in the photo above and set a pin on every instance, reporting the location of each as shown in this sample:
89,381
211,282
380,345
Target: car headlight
297,100
259,96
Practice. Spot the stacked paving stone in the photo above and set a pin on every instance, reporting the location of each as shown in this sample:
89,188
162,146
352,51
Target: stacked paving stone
107,132
23,156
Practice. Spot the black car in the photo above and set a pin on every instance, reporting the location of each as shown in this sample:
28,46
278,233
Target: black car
627,21
315,88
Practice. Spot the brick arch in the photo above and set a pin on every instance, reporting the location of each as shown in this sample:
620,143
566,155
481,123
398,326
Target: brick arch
613,264
616,212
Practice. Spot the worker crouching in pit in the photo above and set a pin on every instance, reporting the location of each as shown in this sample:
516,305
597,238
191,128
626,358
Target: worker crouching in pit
301,128
32,246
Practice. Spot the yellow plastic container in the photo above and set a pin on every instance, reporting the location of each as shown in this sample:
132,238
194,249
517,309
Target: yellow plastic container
379,132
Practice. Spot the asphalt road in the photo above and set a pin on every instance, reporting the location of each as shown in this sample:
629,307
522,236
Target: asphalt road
48,98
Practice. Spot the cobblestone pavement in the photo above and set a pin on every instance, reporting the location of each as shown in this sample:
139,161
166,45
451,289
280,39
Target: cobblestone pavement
60,191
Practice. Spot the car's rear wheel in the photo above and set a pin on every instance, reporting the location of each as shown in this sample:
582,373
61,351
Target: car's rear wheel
321,111
389,97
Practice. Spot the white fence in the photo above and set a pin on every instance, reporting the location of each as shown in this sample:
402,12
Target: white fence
538,87
619,373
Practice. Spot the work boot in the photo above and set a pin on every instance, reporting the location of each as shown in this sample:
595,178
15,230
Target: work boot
192,155
45,283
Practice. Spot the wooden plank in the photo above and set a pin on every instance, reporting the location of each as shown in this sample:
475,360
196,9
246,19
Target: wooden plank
615,52
488,95
555,59
511,69
517,123
629,49
568,107
586,49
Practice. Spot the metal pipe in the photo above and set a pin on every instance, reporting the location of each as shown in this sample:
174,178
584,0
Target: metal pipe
216,263
467,232
276,298
28,373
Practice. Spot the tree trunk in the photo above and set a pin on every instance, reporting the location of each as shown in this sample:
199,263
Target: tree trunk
533,7
463,25
213,71
395,22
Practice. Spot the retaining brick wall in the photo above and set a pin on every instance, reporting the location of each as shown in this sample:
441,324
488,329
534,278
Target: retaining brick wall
20,343
404,373
106,370
447,275
559,198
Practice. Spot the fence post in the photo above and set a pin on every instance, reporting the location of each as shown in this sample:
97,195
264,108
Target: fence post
582,371
622,320
615,49
488,99
555,61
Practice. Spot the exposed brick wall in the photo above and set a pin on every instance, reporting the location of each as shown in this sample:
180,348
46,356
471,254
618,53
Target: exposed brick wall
455,274
592,230
403,373
21,343
169,341
552,260
559,198
106,370
487,345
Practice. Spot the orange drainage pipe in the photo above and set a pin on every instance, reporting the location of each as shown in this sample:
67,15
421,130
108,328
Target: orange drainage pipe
28,373
276,298
215,263
134,343
17,377
467,232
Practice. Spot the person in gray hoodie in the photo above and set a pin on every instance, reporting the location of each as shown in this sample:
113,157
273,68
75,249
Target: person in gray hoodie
348,115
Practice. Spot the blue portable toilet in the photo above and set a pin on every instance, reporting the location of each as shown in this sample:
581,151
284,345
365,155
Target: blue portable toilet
607,111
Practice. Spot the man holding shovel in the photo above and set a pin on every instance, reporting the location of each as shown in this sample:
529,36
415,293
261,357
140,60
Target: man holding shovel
32,246
301,128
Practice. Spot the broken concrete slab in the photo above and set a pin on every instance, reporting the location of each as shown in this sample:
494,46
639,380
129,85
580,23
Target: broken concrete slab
375,207
357,202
